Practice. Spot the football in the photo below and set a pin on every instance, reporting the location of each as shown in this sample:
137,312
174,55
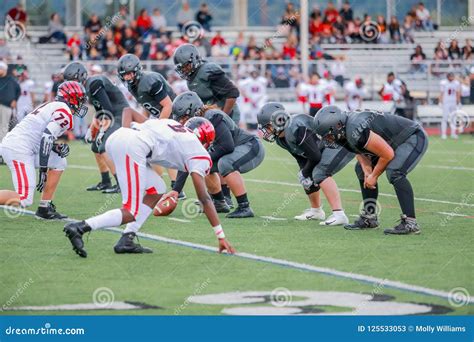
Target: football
165,207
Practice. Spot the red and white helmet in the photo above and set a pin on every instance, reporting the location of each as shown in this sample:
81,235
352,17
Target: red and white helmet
74,95
203,129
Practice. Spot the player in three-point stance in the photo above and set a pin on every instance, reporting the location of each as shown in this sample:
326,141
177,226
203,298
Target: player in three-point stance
31,144
317,163
382,142
163,142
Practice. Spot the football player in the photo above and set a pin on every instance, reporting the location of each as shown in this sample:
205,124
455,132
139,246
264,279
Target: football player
164,142
31,144
109,103
449,100
151,90
254,91
234,151
315,92
355,93
382,142
317,163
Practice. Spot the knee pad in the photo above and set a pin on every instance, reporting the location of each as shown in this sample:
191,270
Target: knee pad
359,172
394,176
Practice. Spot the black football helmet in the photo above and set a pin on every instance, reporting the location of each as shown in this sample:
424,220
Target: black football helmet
186,105
75,71
187,60
129,64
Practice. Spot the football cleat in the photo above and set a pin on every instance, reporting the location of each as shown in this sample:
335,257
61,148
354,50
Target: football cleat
311,214
337,218
127,245
243,210
182,196
74,232
99,186
365,221
229,202
49,213
221,206
405,227
114,189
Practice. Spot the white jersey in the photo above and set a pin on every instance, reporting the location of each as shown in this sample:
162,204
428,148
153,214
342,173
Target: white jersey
315,94
393,91
354,95
450,91
174,146
26,136
180,86
330,87
254,89
25,103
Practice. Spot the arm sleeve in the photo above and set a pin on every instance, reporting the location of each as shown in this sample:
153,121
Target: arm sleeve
46,145
309,143
224,143
158,91
222,87
98,92
180,181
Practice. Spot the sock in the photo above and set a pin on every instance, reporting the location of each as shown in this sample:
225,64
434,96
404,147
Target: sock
133,227
317,209
225,190
218,197
111,218
405,196
242,199
44,203
370,198
105,177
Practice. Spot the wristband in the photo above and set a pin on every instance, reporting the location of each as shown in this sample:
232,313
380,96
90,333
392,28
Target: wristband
219,232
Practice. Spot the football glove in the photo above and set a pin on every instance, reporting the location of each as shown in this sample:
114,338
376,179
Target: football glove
88,138
306,182
100,136
61,149
43,176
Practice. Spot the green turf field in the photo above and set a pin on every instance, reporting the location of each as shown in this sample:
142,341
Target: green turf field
39,268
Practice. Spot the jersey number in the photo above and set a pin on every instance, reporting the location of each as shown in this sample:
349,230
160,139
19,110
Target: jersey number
60,117
37,109
153,110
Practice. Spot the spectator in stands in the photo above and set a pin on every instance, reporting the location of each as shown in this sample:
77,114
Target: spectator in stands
56,29
123,14
144,23
353,30
330,13
218,39
346,12
417,59
467,50
290,47
423,15
339,30
239,45
158,22
315,26
184,15
384,37
290,20
338,69
408,29
18,13
75,53
454,51
128,41
441,51
93,25
394,29
8,101
94,54
203,17
281,80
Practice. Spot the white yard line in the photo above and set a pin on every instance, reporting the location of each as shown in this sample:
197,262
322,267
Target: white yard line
264,181
178,220
446,167
452,214
273,218
379,282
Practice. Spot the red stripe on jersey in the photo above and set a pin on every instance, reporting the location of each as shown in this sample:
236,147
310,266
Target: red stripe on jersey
18,178
205,158
137,190
69,115
25,180
151,191
128,204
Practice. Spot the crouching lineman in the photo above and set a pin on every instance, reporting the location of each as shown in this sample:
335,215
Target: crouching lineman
163,142
29,146
234,151
317,164
382,142
108,102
